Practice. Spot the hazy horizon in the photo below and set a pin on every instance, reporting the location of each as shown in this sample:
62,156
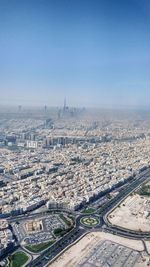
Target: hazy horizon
94,53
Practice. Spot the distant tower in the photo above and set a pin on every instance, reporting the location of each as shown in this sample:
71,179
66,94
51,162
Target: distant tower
59,113
45,108
64,108
19,108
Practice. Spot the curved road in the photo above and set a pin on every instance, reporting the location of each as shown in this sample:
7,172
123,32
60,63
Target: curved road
79,230
104,225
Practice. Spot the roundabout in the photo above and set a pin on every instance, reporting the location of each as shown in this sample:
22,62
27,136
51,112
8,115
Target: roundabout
89,221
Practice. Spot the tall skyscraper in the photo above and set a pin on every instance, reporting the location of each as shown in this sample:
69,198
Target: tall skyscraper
64,108
45,108
19,108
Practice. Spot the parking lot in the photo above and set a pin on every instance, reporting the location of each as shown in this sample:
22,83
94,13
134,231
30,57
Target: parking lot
50,222
39,238
19,231
108,253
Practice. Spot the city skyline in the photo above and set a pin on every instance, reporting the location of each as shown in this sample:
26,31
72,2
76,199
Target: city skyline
74,133
96,53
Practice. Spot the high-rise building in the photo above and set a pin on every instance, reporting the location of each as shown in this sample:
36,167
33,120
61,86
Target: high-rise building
45,108
64,108
19,108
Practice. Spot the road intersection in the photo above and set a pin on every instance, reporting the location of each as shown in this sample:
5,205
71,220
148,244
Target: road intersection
80,229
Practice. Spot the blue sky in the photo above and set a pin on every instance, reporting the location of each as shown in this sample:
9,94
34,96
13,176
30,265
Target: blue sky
96,53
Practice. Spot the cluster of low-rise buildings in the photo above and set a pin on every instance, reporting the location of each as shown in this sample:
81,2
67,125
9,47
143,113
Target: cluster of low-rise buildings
69,173
6,237
66,162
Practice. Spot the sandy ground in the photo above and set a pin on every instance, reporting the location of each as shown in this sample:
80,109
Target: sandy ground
132,214
73,255
147,243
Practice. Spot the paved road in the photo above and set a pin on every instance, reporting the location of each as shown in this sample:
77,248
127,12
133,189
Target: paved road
80,230
104,225
57,248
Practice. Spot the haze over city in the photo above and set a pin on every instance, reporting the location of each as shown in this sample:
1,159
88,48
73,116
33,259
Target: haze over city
96,53
74,133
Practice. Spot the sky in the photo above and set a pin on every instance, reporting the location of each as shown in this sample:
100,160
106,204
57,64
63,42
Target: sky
95,53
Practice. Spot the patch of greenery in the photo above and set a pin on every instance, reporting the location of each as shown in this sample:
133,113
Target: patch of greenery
67,222
89,221
144,190
18,259
60,232
39,247
88,211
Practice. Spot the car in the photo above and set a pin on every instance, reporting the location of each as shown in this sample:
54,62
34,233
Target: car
46,258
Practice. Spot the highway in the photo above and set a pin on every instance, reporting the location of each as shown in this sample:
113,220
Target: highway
57,248
79,230
104,225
